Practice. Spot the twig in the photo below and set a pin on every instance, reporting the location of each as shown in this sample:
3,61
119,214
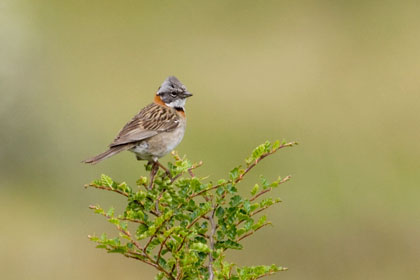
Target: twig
252,165
150,262
162,245
211,240
196,220
157,202
177,250
270,273
150,211
252,232
285,179
118,191
93,207
155,234
131,220
168,173
189,170
107,189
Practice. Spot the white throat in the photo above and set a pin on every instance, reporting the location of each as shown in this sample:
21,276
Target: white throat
179,103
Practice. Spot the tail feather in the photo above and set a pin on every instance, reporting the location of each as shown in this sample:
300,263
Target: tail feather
112,151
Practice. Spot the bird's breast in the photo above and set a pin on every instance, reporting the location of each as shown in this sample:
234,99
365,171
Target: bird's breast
160,144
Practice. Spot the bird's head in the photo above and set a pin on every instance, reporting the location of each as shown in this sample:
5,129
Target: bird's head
173,93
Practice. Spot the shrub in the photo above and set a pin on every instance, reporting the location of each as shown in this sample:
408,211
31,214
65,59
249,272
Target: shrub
183,225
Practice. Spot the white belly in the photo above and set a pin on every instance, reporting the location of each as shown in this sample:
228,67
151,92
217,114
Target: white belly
159,145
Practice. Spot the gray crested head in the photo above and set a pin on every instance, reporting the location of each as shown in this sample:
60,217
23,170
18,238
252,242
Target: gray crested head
173,93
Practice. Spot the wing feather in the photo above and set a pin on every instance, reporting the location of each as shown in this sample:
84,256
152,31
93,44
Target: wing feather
150,121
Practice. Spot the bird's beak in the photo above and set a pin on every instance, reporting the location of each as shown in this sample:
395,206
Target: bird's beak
187,94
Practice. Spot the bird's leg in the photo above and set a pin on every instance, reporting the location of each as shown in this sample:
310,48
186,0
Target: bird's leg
168,173
155,168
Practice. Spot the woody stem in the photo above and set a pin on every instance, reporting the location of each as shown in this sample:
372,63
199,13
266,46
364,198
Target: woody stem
155,168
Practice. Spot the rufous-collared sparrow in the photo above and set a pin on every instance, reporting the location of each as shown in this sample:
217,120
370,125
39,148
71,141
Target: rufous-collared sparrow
157,129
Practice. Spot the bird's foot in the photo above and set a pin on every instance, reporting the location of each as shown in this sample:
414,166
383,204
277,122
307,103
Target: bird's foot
168,173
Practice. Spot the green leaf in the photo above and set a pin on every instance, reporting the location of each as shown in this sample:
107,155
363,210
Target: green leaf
106,180
219,212
260,222
247,206
201,247
234,173
141,229
110,212
124,187
255,189
231,188
248,224
103,237
114,221
235,200
276,145
142,181
264,183
221,182
228,244
220,191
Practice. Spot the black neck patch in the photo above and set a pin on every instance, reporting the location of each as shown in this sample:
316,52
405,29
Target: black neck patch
179,109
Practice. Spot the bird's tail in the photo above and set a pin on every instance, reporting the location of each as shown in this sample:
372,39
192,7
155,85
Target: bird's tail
112,151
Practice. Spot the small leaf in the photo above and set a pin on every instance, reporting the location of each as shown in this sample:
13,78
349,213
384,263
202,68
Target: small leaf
247,206
231,188
219,212
255,189
106,180
142,181
228,244
276,145
114,221
234,173
110,212
220,191
235,200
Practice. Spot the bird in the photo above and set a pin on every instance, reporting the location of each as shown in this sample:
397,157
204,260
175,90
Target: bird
156,130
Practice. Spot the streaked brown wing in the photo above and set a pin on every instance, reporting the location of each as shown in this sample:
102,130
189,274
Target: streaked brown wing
149,122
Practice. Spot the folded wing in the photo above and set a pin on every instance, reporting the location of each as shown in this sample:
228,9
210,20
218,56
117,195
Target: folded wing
150,121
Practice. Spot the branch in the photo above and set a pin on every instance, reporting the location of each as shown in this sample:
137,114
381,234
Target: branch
131,220
162,245
197,219
189,170
272,272
211,240
155,234
285,179
252,232
106,188
177,259
252,165
158,200
267,274
126,232
256,212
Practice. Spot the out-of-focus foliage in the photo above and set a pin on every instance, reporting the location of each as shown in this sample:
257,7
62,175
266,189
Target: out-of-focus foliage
184,226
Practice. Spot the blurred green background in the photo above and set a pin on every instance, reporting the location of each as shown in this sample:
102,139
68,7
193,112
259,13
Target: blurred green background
340,77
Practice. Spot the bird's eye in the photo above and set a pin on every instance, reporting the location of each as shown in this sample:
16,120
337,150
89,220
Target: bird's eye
173,94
